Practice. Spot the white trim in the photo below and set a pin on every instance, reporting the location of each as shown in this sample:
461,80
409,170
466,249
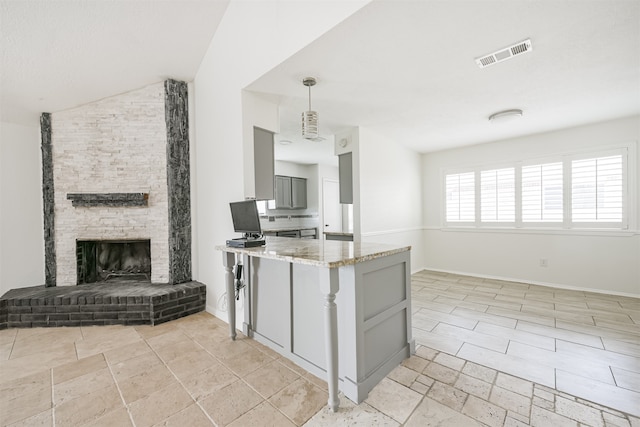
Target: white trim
396,231
540,230
534,282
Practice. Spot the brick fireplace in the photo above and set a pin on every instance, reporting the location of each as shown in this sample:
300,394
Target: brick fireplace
117,219
117,170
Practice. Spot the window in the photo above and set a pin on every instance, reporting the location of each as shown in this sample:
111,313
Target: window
460,189
497,195
596,189
542,196
572,191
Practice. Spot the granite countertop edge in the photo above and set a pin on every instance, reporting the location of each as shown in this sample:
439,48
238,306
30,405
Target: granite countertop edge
289,255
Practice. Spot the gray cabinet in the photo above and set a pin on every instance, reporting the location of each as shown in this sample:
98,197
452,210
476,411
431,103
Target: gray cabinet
345,169
263,163
291,192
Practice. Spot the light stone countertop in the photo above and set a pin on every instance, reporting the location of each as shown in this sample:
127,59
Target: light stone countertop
320,253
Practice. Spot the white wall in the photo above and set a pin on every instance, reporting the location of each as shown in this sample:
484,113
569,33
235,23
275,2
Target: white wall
21,223
599,261
390,194
252,38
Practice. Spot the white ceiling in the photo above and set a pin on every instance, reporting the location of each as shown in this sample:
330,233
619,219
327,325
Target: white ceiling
58,54
404,69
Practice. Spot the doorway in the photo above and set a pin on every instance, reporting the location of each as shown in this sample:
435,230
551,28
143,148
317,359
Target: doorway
331,208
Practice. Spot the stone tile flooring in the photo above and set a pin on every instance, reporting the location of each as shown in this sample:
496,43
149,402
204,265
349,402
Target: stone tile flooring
188,372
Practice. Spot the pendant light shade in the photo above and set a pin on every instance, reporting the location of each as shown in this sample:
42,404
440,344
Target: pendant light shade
309,118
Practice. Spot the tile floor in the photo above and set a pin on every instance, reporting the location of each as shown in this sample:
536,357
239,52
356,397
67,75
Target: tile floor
487,356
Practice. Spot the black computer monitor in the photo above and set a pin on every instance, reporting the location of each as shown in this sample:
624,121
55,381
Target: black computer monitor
245,218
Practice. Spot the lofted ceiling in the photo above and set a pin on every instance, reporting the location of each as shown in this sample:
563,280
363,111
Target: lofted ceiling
58,54
404,69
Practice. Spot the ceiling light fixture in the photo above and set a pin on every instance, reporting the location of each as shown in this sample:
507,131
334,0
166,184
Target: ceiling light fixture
309,118
506,115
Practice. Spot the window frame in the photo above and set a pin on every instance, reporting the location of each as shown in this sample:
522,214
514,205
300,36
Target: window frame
629,172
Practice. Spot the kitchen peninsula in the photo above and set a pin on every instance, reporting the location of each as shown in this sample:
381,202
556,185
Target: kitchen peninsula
341,310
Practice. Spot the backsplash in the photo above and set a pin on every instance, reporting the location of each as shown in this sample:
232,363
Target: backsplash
283,220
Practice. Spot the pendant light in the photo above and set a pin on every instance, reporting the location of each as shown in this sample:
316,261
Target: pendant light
309,118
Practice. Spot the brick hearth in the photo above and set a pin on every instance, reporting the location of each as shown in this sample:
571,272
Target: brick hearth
131,303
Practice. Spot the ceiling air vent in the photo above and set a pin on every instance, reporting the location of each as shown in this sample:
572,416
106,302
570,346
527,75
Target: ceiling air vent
504,54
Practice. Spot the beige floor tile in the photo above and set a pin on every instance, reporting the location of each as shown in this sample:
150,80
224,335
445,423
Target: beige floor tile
317,381
523,337
515,384
247,362
8,336
543,418
526,317
449,361
120,418
159,405
628,348
480,372
626,379
552,332
441,373
26,385
33,363
403,375
172,351
100,343
192,416
432,413
299,401
423,323
426,353
473,386
227,348
43,419
616,326
604,394
618,360
81,385
485,317
141,385
148,331
191,362
415,363
446,318
78,368
15,408
88,407
350,414
127,351
202,384
136,365
484,412
45,338
525,368
262,415
393,399
482,340
438,342
5,351
590,368
510,401
576,411
271,378
447,395
229,403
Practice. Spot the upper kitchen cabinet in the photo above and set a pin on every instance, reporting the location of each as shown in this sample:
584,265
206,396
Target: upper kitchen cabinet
291,192
264,163
345,169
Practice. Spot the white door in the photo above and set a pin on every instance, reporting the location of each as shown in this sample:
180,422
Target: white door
331,209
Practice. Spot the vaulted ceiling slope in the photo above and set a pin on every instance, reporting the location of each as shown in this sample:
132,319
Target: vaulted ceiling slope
406,70
58,54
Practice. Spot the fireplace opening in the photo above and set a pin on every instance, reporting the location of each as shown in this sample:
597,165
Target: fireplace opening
113,260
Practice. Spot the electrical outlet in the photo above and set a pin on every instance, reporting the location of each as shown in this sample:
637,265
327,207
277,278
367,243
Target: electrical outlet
544,262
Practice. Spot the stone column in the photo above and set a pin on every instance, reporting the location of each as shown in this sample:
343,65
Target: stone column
178,181
48,200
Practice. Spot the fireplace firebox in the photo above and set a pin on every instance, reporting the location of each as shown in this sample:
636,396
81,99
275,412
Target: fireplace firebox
113,260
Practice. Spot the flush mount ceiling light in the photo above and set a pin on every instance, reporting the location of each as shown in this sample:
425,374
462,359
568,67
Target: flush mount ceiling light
309,118
504,54
285,142
506,115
